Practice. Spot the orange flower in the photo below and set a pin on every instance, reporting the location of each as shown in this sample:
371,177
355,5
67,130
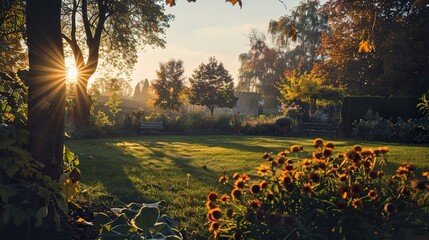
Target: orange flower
255,204
296,148
214,214
255,189
264,169
318,142
315,177
357,202
285,179
307,188
214,226
390,208
357,148
344,191
263,185
211,205
245,177
212,196
289,168
240,183
327,152
236,193
224,198
235,176
270,196
223,179
329,145
373,194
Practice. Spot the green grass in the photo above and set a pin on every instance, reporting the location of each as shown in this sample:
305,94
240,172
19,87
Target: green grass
154,168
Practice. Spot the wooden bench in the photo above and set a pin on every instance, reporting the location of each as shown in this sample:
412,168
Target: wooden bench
151,126
319,128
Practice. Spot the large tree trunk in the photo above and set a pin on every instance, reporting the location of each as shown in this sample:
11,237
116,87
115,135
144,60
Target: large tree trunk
46,81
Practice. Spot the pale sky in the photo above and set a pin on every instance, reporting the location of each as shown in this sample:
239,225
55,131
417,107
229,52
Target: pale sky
209,28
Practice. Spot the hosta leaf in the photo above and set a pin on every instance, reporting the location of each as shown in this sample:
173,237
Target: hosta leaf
102,218
147,217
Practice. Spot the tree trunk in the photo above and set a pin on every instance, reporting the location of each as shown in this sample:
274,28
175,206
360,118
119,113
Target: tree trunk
46,82
82,102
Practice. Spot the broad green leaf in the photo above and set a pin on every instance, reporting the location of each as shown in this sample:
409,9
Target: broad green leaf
40,214
130,213
147,217
124,229
102,218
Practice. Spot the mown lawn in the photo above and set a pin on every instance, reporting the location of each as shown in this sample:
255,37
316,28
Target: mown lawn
182,169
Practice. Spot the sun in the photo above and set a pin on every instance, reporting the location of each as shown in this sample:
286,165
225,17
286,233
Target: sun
71,74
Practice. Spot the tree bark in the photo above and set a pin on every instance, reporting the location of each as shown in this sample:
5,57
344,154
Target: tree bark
46,82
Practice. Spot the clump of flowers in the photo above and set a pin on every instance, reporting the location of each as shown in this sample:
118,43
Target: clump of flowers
324,195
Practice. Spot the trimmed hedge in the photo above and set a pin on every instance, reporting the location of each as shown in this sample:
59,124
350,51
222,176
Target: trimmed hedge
355,107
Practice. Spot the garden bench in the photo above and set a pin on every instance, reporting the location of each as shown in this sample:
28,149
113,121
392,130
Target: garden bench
151,126
319,128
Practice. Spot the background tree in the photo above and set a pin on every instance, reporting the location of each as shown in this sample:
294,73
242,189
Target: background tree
168,85
112,30
296,36
399,33
212,86
141,92
13,53
307,88
114,98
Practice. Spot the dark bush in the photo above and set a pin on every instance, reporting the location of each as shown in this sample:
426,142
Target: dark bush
284,122
375,127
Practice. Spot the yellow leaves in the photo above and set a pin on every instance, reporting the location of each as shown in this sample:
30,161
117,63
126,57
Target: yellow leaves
170,2
365,46
420,3
69,189
235,1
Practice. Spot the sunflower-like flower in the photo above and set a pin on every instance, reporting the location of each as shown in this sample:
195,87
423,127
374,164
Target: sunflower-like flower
357,148
235,176
211,205
223,179
264,169
285,179
421,184
330,145
289,168
255,204
236,193
315,177
344,191
214,214
224,198
390,208
327,152
356,188
240,183
263,185
318,142
244,177
373,194
357,203
307,189
255,189
296,148
271,196
212,196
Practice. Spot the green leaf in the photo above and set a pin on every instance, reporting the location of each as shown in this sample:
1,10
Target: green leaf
40,214
135,206
124,229
147,217
121,219
113,236
6,192
130,213
168,220
163,228
102,218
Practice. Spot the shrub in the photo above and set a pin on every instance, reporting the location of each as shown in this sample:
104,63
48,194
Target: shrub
284,121
328,196
374,127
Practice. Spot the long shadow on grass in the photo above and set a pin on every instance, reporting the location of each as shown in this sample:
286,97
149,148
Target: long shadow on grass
108,167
